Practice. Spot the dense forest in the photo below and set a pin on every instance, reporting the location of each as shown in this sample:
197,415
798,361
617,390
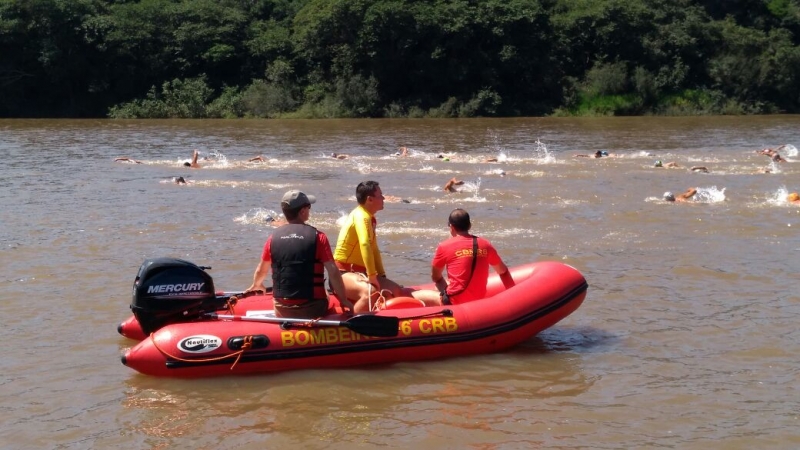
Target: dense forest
397,58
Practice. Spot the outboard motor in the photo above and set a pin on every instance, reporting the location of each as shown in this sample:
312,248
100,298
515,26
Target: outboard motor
170,290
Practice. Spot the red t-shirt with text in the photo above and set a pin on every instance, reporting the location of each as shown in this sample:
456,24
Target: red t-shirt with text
455,254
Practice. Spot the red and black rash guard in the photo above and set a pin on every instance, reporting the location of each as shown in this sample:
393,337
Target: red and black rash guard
297,274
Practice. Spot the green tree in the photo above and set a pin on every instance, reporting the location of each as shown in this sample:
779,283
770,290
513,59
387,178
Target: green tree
142,41
52,60
758,68
588,32
210,38
178,99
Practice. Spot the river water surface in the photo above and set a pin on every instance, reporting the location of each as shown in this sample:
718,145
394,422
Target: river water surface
688,337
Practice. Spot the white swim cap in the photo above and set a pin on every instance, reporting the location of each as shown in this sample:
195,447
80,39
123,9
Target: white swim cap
669,197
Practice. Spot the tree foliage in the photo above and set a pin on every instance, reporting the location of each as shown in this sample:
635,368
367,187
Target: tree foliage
397,58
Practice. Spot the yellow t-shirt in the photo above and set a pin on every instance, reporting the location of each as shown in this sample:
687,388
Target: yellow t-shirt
357,243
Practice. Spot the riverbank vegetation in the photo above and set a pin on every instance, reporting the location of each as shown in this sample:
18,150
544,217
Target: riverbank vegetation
397,58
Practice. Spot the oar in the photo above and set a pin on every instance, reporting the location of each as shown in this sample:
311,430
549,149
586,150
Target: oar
233,293
366,324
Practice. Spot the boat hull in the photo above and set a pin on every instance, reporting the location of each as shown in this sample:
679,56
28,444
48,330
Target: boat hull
544,294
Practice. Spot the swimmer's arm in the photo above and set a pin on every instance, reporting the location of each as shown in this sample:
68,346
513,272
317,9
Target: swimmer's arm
689,193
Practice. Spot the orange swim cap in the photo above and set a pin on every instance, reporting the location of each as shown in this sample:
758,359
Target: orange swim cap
793,197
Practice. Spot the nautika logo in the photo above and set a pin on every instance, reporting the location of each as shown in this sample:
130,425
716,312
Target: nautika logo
292,236
202,343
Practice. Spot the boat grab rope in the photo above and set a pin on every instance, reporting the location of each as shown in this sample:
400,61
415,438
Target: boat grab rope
230,303
246,345
233,299
310,324
380,294
380,298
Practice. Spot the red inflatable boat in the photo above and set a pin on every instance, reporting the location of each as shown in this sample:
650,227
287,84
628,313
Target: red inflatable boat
188,330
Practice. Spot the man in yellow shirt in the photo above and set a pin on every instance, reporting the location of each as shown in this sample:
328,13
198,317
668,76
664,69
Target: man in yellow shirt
358,257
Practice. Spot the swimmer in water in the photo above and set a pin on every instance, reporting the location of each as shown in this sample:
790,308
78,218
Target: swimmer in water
597,154
794,198
773,155
193,164
450,186
777,158
395,199
771,152
180,180
668,196
339,156
703,169
443,157
275,222
126,159
671,165
258,158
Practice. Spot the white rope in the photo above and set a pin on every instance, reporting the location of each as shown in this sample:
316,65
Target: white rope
380,300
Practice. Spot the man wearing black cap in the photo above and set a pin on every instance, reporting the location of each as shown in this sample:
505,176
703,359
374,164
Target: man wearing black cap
298,255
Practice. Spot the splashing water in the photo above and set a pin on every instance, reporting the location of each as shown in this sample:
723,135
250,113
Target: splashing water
500,172
476,185
710,195
364,168
217,156
790,150
778,197
414,153
342,218
258,216
542,154
496,148
212,160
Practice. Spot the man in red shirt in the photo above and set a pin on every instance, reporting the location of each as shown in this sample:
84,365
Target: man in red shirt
467,278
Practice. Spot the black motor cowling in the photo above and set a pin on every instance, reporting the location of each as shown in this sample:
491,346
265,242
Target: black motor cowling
171,290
